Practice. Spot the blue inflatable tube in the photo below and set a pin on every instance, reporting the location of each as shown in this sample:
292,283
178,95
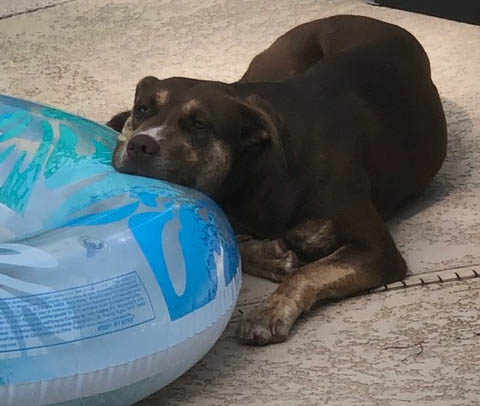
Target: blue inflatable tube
111,285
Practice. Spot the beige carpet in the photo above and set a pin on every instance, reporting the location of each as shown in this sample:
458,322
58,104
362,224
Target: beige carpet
86,56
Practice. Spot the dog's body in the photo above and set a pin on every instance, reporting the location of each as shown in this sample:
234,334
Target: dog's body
330,130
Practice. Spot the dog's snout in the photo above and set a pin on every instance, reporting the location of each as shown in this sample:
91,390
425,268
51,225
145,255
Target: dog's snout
142,146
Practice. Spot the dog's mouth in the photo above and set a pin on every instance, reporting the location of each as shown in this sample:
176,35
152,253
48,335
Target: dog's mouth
174,172
163,175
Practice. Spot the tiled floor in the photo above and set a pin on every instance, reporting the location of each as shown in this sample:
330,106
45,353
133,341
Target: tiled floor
415,346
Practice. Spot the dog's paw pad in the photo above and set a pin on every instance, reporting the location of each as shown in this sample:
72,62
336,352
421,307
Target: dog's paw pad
267,324
258,331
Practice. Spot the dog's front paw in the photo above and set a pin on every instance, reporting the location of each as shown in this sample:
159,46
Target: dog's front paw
268,323
269,259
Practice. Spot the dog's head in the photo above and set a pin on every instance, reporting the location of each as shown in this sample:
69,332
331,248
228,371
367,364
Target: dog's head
192,133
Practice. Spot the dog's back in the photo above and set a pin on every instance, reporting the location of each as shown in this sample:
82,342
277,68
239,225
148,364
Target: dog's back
387,69
300,48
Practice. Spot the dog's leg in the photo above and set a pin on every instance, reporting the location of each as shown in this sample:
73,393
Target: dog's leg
353,267
290,55
269,259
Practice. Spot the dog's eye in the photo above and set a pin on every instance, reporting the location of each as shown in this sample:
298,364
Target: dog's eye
199,124
141,109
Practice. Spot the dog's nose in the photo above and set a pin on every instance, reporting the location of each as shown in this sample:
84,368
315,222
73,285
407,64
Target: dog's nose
142,146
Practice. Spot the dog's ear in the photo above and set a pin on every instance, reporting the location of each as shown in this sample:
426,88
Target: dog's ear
262,125
118,121
145,84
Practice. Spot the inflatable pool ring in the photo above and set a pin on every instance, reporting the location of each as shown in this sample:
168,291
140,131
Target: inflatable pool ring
111,285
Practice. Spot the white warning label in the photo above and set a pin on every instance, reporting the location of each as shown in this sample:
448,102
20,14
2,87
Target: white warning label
79,313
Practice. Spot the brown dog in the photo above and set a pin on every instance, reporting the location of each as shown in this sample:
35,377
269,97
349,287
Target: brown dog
331,129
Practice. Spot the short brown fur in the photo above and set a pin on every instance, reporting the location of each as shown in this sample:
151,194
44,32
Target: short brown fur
329,131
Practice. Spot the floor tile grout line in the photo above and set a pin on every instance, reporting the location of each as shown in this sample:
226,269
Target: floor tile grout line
33,10
451,268
406,283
